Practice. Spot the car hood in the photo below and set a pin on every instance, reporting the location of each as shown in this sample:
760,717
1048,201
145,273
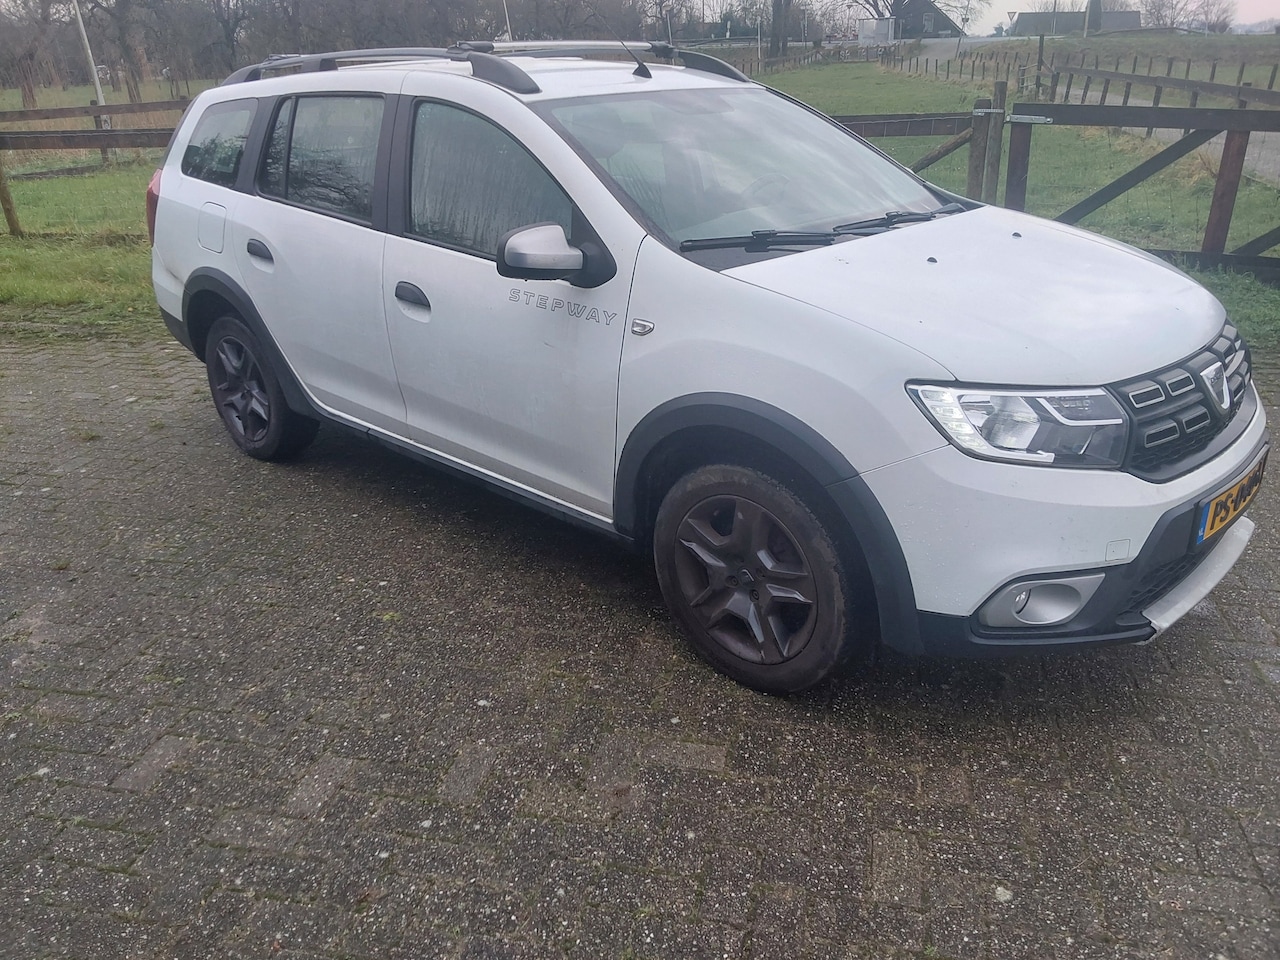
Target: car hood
997,296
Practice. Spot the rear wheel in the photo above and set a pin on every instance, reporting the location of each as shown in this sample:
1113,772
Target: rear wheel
247,394
753,577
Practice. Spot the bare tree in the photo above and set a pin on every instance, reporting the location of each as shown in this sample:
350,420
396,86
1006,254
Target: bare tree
1167,13
125,28
231,16
1215,16
31,21
781,10
960,11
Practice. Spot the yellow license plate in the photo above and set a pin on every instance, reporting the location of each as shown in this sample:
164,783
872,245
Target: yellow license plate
1218,512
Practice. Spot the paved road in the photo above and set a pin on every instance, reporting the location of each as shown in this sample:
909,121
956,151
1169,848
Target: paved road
348,708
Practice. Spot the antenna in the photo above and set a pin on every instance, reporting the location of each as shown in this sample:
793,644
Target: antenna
641,70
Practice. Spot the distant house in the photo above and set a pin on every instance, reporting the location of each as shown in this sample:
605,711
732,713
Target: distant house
921,19
1035,23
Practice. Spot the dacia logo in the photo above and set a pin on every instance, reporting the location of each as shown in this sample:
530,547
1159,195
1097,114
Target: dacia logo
541,301
1217,385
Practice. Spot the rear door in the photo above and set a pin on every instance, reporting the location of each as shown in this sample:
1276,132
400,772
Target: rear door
310,245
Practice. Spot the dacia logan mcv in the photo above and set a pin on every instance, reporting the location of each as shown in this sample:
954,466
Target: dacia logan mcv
676,306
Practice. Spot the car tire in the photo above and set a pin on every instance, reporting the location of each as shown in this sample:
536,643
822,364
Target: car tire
247,394
753,578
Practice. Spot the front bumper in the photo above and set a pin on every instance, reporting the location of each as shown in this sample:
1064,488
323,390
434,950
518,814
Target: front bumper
969,529
1136,602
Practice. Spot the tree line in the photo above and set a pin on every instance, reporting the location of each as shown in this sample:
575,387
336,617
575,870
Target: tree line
181,40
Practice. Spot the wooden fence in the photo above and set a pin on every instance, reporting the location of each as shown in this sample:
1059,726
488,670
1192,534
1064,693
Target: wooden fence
103,136
1199,125
1029,71
981,130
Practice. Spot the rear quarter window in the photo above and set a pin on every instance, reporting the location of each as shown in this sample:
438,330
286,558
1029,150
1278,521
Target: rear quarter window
216,147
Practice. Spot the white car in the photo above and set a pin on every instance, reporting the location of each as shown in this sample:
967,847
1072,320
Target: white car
839,405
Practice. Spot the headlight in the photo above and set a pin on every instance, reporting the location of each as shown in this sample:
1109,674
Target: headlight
1063,428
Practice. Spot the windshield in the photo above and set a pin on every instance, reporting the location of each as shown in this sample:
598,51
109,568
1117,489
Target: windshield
711,163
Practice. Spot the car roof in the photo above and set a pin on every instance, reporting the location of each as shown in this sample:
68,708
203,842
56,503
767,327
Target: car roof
529,71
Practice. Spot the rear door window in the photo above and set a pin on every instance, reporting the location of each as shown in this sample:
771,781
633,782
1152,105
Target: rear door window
322,152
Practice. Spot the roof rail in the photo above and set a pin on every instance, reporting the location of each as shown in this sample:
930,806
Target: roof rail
307,62
658,48
487,59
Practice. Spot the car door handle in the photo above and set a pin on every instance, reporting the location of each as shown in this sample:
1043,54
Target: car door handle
411,294
256,248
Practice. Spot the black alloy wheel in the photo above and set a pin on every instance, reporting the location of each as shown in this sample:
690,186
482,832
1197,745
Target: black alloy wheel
248,397
753,577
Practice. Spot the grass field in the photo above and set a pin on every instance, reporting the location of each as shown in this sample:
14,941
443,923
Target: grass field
1257,53
1168,211
80,96
86,270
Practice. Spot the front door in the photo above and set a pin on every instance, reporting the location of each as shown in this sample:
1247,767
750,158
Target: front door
518,379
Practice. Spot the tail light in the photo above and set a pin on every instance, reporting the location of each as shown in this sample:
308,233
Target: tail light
153,200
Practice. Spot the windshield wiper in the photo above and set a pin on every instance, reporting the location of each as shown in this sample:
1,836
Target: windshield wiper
761,240
894,217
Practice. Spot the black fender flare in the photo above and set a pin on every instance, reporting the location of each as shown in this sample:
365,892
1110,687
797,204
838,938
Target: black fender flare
210,280
812,453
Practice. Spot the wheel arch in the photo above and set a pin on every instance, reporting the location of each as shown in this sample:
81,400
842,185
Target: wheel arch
209,294
695,430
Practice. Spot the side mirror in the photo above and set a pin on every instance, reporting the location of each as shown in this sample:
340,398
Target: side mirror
539,252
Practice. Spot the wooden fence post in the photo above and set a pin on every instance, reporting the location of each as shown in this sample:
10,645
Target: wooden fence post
1015,184
99,125
978,148
995,142
1155,102
6,202
1224,191
1039,65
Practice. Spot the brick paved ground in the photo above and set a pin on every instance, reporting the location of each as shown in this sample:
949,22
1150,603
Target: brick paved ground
348,708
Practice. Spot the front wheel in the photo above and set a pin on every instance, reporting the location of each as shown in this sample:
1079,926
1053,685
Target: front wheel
753,578
247,394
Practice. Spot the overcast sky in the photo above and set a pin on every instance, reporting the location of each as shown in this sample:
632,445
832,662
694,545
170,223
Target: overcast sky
1247,11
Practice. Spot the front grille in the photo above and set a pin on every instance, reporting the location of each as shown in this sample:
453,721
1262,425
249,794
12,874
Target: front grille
1177,412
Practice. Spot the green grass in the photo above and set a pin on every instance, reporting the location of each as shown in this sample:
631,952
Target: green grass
76,287
1253,306
1167,211
83,95
110,202
861,88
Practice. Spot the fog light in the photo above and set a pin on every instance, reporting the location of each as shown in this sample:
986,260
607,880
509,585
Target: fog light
1039,603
